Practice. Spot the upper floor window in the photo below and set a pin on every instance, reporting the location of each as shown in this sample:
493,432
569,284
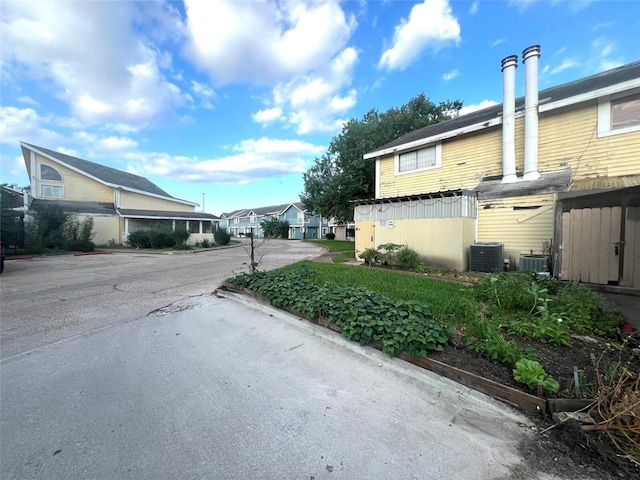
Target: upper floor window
49,173
619,115
422,159
303,217
236,220
253,218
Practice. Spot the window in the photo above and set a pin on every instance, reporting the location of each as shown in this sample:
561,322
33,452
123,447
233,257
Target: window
49,173
303,217
416,160
52,191
236,220
253,218
618,115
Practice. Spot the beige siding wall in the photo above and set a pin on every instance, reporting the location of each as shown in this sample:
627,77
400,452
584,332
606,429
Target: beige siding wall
521,231
444,242
76,186
106,229
567,139
144,202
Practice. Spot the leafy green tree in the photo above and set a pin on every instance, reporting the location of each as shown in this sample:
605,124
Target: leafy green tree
341,175
48,226
274,228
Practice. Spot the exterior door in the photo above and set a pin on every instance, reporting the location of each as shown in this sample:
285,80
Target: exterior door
631,248
365,235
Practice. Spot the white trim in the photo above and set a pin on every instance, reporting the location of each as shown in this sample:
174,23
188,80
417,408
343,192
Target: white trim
436,138
377,178
112,185
604,115
438,152
592,95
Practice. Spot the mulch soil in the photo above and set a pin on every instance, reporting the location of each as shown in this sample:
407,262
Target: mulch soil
565,450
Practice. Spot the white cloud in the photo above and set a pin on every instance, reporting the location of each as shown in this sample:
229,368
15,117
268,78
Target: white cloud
116,143
601,57
451,75
479,106
431,24
93,57
566,64
204,93
315,102
27,100
297,48
268,115
250,161
473,9
497,42
24,124
264,42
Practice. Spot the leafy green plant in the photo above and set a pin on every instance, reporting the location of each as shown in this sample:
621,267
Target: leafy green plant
221,236
388,253
531,373
363,315
408,258
370,255
205,243
330,236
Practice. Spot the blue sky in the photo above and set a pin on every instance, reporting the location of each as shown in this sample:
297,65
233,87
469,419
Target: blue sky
234,99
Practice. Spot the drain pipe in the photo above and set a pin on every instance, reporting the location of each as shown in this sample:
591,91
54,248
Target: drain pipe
530,57
509,65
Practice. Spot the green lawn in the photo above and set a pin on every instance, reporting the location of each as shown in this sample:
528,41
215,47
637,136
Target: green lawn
450,301
335,245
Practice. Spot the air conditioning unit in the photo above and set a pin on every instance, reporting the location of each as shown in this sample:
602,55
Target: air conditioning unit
486,257
534,263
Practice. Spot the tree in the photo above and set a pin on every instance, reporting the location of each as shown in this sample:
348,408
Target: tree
341,175
274,228
11,221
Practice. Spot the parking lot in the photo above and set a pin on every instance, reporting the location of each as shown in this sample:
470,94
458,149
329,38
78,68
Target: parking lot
53,298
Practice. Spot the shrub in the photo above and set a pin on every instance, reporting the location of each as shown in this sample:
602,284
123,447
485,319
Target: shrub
388,252
205,243
533,375
221,236
140,239
330,236
369,255
162,239
180,237
408,258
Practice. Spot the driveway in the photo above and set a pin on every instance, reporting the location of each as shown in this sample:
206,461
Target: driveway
48,299
213,388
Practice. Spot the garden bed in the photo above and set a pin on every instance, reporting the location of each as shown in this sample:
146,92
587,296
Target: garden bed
462,346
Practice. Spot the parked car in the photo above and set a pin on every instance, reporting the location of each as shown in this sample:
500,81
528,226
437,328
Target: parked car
1,257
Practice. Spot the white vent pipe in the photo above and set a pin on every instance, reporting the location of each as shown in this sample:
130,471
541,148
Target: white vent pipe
509,65
530,57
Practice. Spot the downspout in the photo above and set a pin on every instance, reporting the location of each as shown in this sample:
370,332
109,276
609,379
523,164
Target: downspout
530,57
509,65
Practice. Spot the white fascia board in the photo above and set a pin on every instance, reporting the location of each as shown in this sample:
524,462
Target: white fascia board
156,217
436,138
154,195
594,94
112,185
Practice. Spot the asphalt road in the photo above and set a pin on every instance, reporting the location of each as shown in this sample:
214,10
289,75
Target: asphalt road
126,366
48,299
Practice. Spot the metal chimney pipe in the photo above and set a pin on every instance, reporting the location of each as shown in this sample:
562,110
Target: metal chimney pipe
509,65
530,57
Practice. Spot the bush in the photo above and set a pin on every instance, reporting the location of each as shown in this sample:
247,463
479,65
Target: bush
221,236
369,255
205,243
180,237
330,236
408,258
162,239
140,239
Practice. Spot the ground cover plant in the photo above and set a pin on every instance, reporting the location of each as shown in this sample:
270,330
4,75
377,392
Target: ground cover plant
533,334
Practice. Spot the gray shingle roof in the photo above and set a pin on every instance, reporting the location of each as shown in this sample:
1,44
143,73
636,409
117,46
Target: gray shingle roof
560,92
106,174
77,206
260,211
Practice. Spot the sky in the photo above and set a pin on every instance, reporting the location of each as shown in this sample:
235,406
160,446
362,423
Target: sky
227,103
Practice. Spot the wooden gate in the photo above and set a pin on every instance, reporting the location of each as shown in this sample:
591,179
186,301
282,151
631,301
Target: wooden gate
599,247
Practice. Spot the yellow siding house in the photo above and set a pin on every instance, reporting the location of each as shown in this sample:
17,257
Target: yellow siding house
548,181
119,202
